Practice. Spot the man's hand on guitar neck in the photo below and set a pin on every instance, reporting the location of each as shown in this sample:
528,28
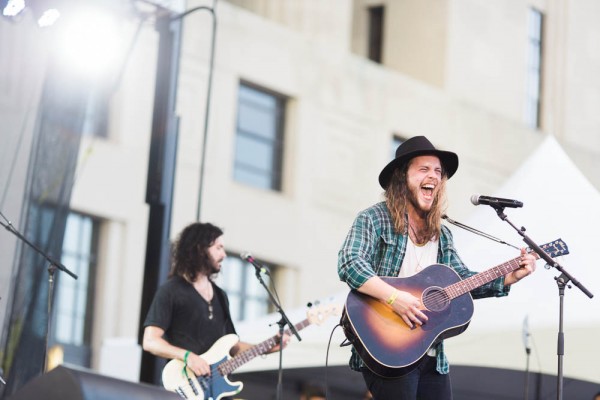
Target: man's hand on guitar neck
527,263
407,306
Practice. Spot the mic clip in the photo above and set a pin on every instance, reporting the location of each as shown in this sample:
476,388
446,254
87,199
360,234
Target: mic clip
260,269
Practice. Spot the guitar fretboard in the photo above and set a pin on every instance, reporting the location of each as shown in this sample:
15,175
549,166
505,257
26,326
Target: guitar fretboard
227,367
475,281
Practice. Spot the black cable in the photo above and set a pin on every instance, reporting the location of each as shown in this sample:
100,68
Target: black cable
327,362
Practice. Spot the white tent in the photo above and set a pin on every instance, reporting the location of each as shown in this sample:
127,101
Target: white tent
559,202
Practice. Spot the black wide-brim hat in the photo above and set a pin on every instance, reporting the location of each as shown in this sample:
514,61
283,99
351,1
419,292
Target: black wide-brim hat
413,147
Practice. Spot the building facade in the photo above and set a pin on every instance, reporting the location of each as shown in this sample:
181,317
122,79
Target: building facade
308,101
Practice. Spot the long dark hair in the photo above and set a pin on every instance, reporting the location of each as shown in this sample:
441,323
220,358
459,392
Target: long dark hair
396,198
189,255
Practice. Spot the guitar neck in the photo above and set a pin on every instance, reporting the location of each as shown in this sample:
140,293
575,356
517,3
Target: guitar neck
475,281
242,358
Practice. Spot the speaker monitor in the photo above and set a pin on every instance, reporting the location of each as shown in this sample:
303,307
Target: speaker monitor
64,383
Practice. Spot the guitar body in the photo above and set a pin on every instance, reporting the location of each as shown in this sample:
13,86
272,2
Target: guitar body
388,346
213,387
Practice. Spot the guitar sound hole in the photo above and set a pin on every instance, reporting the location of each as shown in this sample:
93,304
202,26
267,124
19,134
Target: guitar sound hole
435,299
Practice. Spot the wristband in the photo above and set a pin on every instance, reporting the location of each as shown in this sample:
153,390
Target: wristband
185,357
392,297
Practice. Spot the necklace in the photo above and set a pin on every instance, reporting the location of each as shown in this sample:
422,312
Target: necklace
210,310
206,292
417,242
209,298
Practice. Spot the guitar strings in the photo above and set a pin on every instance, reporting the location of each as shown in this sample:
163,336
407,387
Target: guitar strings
441,296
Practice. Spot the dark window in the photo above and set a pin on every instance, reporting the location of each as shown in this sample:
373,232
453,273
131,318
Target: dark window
534,68
376,18
259,138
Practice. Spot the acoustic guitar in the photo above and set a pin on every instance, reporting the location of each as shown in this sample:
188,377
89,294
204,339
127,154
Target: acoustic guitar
387,345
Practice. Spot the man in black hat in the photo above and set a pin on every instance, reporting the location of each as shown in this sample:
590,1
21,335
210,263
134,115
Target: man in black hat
399,237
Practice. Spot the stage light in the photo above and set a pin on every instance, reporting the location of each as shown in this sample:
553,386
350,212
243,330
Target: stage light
48,17
13,7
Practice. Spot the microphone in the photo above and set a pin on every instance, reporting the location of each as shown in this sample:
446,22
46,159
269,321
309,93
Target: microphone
495,201
259,268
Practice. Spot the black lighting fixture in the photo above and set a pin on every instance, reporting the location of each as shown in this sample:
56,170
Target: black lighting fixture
44,11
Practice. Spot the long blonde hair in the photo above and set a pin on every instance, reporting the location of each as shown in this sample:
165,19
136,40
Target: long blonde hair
396,198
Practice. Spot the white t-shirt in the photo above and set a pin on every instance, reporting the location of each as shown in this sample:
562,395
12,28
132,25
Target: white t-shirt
418,257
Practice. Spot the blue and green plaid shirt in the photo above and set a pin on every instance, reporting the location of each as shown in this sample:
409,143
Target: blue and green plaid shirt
373,248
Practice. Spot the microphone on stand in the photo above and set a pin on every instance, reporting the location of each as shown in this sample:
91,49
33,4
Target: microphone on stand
259,268
495,201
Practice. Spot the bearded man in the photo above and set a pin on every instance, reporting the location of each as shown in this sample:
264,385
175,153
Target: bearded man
189,312
399,237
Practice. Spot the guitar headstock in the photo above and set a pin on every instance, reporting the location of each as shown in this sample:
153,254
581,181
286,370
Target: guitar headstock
318,314
555,248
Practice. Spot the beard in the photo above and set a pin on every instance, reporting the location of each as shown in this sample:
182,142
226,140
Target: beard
214,265
413,198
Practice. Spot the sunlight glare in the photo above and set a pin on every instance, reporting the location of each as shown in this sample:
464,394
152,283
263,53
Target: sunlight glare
90,43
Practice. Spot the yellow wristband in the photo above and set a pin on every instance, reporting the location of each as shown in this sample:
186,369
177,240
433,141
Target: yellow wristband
392,297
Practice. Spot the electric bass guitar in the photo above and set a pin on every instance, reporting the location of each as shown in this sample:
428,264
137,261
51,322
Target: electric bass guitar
178,378
387,345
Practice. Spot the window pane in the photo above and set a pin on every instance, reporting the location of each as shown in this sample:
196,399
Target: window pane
254,154
257,97
257,121
252,178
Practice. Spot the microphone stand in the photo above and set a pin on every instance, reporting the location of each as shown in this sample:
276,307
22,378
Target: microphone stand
561,281
282,323
53,266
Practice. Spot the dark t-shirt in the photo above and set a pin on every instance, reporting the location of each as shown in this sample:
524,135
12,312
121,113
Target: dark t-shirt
183,314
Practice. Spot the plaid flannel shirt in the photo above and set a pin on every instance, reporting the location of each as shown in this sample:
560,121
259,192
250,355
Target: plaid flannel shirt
373,248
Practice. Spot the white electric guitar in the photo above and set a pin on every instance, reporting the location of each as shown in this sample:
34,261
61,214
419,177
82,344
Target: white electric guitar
180,379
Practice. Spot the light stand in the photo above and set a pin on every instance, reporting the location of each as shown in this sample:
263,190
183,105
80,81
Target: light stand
53,266
162,163
561,281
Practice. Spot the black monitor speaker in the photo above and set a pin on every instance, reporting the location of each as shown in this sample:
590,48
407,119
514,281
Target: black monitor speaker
64,383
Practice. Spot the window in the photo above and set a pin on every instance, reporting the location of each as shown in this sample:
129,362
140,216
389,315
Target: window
259,138
375,29
74,298
534,71
247,297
